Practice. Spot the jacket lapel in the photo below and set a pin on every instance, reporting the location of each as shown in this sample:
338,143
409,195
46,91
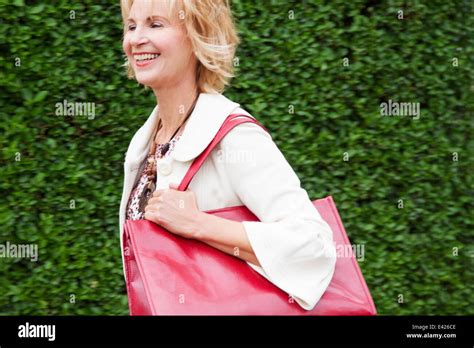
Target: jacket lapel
140,143
210,112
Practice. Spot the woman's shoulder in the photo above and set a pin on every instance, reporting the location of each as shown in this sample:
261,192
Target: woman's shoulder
247,133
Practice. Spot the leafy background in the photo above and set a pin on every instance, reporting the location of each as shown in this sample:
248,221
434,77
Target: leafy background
283,62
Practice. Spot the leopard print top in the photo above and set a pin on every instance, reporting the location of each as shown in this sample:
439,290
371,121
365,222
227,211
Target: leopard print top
132,211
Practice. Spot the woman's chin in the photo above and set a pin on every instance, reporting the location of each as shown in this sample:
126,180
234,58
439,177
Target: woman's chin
149,81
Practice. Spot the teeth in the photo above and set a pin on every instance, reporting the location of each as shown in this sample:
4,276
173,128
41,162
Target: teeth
142,57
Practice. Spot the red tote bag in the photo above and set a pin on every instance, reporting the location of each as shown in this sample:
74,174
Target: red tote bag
170,275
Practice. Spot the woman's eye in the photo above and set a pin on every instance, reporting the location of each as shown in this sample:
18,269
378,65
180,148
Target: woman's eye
132,27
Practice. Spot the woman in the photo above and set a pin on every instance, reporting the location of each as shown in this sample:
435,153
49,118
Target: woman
183,51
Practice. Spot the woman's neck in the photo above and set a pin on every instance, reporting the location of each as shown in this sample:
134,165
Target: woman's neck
174,103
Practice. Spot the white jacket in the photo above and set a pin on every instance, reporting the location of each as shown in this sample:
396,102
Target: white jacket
292,242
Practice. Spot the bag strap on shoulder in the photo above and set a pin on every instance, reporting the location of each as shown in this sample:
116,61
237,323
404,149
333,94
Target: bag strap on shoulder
230,122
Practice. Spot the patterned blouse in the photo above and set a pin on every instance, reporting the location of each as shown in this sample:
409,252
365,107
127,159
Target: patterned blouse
132,211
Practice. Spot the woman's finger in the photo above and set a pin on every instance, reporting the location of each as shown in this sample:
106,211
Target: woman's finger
174,186
158,193
155,200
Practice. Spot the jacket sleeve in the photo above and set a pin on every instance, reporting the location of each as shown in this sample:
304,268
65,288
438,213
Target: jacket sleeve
293,244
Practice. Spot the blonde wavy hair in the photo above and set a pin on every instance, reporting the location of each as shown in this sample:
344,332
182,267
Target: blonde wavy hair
210,27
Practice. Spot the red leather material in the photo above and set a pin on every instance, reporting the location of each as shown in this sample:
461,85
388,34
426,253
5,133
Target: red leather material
186,277
171,275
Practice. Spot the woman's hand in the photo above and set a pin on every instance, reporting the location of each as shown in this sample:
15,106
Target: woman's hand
177,212
174,210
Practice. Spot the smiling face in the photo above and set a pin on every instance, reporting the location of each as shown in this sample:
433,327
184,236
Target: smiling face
156,45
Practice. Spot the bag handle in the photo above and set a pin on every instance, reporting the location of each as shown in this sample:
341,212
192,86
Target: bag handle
230,122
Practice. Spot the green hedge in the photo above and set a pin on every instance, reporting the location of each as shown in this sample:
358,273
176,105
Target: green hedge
284,63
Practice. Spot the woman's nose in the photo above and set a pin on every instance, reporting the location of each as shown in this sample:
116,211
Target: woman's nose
138,38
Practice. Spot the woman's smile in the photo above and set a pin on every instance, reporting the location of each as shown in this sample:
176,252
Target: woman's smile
144,59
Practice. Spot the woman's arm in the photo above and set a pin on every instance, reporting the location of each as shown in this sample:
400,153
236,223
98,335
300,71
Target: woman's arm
226,235
167,208
293,243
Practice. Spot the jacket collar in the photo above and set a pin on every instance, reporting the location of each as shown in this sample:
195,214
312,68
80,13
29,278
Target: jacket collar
209,113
